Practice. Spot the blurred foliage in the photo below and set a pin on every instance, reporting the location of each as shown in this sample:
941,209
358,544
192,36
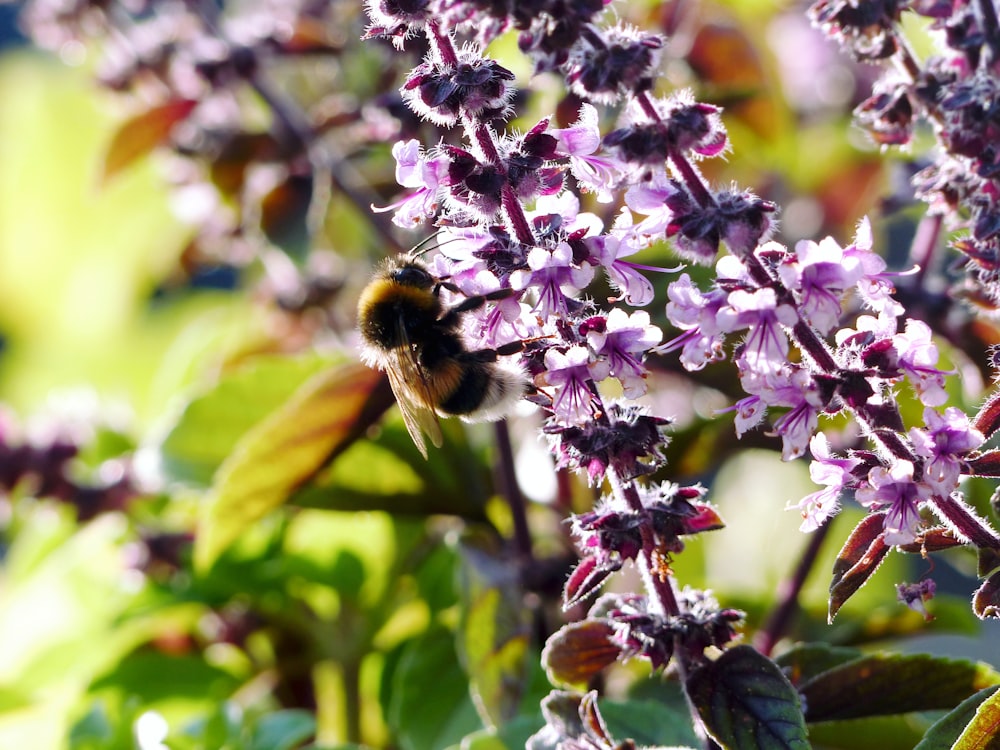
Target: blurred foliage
342,592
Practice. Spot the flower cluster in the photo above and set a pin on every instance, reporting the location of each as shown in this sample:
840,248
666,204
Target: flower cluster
956,92
508,218
43,468
814,330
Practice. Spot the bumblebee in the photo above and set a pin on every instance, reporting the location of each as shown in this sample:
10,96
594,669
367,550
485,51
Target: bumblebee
408,332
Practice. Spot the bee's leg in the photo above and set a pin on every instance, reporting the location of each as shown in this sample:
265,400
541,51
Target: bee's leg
478,300
475,302
491,355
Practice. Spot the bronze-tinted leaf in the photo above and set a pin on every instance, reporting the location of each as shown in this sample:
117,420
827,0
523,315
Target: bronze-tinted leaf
593,722
983,732
284,215
857,560
986,600
578,651
988,561
140,134
229,167
282,452
986,464
933,540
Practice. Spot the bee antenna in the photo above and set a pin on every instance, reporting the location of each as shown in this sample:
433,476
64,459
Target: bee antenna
414,250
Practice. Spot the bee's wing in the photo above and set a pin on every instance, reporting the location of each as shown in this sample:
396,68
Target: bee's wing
409,383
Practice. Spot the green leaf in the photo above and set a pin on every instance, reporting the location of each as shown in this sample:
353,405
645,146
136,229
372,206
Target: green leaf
983,732
747,703
899,732
649,723
495,627
212,422
388,473
810,659
943,734
892,684
430,705
283,730
281,453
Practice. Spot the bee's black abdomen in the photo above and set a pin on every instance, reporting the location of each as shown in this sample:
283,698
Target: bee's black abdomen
468,395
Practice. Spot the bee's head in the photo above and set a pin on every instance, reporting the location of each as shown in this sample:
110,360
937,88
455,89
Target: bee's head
413,273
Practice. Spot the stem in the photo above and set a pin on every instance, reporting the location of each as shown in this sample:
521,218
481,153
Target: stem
689,175
480,134
441,44
810,343
963,520
507,484
351,676
513,211
778,623
659,592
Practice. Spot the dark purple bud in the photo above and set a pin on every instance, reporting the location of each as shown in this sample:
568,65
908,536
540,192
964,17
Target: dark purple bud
888,116
618,69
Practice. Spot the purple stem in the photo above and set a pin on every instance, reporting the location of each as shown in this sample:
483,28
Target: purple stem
777,624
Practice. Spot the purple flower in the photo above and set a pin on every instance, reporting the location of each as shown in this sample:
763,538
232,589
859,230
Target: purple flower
917,356
766,345
825,469
696,314
794,387
414,170
625,277
596,174
561,212
569,374
554,276
946,438
623,339
655,199
895,490
820,274
503,322
875,286
916,595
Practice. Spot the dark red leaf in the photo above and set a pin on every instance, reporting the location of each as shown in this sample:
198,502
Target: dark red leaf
933,540
585,579
857,560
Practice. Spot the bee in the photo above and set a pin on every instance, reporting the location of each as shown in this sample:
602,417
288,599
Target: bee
408,332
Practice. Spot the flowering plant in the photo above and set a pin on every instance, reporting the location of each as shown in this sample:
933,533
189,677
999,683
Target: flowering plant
594,251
